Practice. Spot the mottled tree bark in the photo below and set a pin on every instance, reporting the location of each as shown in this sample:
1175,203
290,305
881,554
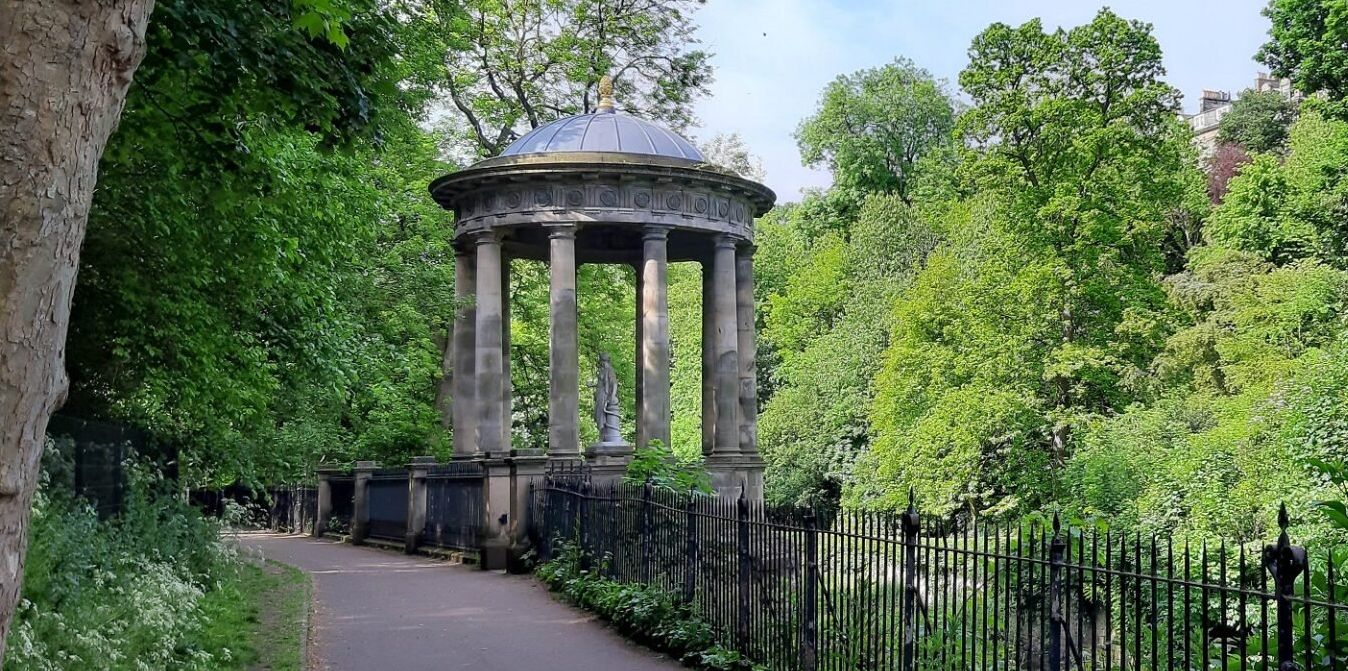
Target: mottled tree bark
65,66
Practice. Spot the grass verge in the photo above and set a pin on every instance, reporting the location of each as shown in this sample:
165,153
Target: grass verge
259,618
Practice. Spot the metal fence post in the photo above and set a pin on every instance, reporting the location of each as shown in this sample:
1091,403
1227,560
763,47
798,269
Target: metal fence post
1284,562
646,533
536,522
745,566
690,567
809,611
1056,556
911,524
584,507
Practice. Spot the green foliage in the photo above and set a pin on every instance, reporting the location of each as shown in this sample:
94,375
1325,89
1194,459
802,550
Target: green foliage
1251,385
127,593
874,126
264,282
514,66
826,328
656,465
1258,121
1248,218
1306,41
1290,209
647,614
1040,308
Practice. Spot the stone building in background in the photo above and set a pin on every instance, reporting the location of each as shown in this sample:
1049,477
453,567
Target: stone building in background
1214,104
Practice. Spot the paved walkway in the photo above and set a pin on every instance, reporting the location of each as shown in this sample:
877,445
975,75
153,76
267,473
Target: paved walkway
382,611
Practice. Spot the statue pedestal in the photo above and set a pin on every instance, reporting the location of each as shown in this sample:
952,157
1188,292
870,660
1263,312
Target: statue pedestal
608,461
733,473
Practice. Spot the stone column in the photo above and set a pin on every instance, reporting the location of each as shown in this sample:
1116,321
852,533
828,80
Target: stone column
465,355
360,509
507,385
416,501
324,512
747,350
655,335
489,368
727,343
708,360
638,404
563,355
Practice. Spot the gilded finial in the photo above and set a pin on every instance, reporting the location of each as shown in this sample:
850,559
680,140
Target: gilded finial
606,94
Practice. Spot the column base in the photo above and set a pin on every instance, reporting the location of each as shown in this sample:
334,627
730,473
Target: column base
733,473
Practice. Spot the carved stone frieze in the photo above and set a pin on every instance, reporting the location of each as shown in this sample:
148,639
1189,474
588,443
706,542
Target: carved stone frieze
683,206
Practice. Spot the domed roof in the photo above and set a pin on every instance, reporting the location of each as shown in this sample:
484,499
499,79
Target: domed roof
604,131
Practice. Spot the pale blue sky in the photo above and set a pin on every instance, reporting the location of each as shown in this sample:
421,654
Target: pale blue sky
772,57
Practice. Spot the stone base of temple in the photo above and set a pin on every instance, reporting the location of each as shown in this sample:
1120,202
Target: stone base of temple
732,474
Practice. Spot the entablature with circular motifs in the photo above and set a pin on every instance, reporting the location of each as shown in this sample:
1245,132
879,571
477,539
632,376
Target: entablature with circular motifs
611,197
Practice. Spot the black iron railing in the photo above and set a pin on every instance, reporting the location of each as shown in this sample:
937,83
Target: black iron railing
793,589
292,508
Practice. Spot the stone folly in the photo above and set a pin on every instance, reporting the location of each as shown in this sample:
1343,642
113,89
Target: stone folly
605,188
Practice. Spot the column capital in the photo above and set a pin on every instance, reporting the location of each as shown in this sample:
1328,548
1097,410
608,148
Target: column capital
747,249
485,237
563,231
724,241
655,232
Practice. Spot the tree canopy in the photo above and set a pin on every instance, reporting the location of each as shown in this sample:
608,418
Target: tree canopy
1306,41
1258,121
874,126
512,66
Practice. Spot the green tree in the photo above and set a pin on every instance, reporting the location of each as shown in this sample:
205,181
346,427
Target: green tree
1306,41
1045,295
517,65
1258,121
826,330
1289,209
1249,388
874,126
246,224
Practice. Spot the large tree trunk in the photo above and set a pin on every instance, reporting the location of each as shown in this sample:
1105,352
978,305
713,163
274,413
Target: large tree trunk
65,66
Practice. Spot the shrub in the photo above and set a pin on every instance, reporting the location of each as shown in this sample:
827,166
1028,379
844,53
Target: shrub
646,614
658,465
122,593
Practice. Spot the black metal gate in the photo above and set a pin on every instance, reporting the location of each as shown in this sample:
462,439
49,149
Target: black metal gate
342,490
454,506
387,497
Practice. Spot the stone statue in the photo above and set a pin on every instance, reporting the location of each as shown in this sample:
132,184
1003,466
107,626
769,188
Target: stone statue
606,412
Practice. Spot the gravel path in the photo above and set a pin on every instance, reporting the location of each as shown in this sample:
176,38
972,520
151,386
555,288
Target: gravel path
382,611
